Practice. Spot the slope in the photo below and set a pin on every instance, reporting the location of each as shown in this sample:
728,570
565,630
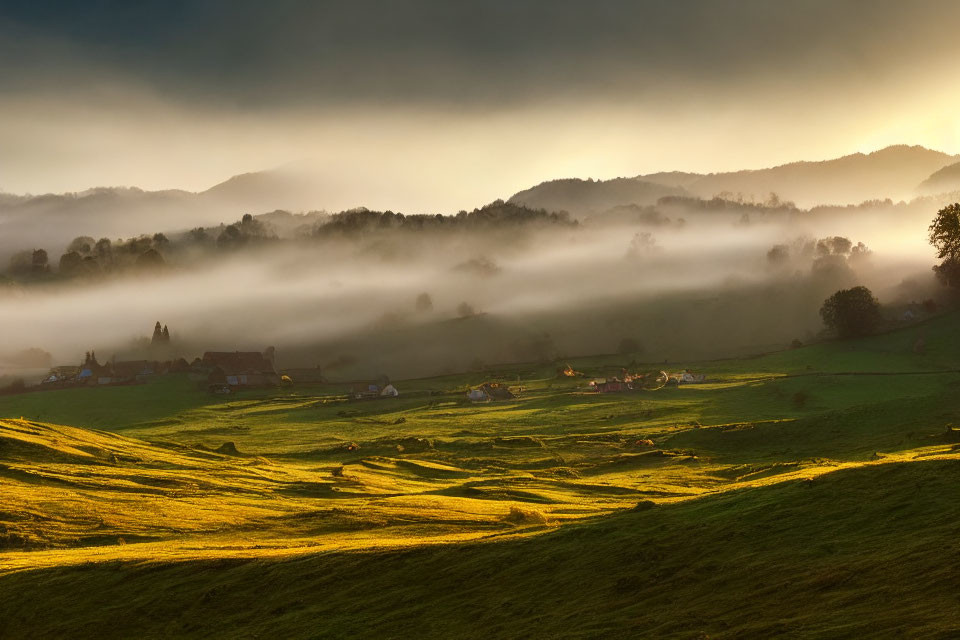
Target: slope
861,553
892,172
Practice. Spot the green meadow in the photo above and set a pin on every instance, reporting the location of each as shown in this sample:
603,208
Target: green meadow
809,492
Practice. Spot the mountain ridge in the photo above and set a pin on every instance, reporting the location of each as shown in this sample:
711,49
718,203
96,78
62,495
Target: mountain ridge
892,172
51,220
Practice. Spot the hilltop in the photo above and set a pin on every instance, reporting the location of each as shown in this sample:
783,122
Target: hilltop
945,180
893,172
52,220
827,557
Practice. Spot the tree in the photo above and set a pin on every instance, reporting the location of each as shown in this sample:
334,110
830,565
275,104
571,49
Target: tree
778,254
230,238
71,263
40,261
157,334
150,260
948,272
424,303
837,245
199,235
945,238
104,249
851,312
82,245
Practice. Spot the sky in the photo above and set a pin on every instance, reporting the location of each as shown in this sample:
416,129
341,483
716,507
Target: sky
437,106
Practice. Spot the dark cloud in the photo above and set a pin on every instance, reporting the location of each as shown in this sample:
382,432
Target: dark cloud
254,53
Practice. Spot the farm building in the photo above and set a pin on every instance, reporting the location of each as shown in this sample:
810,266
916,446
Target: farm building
687,377
478,395
92,372
133,370
373,390
61,376
490,391
611,385
240,369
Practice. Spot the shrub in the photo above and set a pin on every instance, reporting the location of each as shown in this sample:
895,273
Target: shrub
851,312
945,238
525,516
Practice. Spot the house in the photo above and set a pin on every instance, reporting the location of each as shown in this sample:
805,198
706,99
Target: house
611,385
389,391
490,391
133,370
91,371
382,388
478,395
690,378
61,376
365,391
240,369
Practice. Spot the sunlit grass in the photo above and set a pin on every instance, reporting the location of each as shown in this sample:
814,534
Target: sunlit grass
314,474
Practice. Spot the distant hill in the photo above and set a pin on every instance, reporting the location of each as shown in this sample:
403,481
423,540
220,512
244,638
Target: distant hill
893,172
585,197
51,221
288,189
945,180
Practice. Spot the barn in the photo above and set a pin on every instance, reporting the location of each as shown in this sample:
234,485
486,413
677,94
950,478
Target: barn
240,369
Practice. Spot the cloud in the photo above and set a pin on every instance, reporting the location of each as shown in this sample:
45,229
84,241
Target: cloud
257,54
424,105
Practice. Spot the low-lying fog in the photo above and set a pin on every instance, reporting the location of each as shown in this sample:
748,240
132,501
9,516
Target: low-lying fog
688,284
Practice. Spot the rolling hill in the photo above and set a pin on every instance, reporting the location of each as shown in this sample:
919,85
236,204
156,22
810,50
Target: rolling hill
867,552
808,492
944,180
51,221
893,172
582,197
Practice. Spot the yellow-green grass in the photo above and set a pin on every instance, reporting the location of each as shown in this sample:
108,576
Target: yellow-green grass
868,552
549,474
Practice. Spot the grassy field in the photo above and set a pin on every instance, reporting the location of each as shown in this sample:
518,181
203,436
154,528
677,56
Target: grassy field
809,492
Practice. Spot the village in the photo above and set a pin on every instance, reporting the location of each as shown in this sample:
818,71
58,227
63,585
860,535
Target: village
229,372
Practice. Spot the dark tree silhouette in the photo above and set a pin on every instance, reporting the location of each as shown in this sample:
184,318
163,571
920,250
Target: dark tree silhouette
851,312
157,338
150,260
70,263
424,303
104,249
40,260
82,245
945,238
